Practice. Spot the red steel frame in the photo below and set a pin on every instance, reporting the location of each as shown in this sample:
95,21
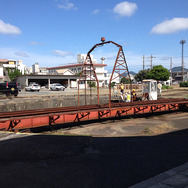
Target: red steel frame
10,121
14,121
84,76
120,67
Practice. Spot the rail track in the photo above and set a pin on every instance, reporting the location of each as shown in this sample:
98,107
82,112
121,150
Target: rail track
27,119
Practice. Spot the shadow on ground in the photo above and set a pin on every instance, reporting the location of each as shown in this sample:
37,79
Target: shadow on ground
81,161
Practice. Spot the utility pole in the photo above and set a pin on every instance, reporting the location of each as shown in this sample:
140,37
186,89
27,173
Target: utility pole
151,61
143,61
170,70
182,42
171,67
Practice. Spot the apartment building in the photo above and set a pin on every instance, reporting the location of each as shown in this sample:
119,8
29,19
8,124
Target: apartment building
36,69
6,65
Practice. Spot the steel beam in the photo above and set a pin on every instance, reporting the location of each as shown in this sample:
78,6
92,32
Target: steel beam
37,118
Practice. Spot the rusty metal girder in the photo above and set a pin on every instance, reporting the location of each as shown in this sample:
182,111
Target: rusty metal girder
52,119
119,113
155,108
103,113
81,115
37,118
139,109
13,123
74,109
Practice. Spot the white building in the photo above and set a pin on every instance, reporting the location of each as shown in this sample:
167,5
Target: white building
39,70
29,70
21,67
35,68
76,68
115,78
185,78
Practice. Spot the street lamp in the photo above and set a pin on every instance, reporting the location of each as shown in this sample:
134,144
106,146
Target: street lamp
182,42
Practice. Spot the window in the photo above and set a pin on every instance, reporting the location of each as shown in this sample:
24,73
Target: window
153,86
145,87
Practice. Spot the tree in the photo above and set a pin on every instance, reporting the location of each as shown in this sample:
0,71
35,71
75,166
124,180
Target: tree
141,75
113,84
78,74
91,83
125,80
158,73
13,74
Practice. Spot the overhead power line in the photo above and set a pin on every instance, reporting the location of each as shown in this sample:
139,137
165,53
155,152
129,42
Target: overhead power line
150,59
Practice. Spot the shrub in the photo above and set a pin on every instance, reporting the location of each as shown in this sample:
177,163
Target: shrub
166,87
113,84
91,84
183,84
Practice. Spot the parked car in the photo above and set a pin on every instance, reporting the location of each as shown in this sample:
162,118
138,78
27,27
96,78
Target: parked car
32,87
175,83
57,87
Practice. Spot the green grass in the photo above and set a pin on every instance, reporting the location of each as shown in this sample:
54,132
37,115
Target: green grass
166,87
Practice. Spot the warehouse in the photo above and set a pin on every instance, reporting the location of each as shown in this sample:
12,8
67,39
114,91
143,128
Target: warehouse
69,81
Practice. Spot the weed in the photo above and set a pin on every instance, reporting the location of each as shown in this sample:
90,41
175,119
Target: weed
147,130
166,87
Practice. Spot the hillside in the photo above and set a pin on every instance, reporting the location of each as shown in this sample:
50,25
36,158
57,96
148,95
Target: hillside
178,69
131,72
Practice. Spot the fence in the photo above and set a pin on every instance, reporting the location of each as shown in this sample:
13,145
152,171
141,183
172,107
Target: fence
128,86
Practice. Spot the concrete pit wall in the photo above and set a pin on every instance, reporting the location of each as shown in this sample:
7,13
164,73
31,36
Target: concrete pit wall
42,103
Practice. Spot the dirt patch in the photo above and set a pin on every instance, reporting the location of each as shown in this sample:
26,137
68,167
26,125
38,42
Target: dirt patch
149,126
159,129
175,93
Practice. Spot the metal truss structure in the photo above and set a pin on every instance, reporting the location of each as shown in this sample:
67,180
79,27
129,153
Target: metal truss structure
88,73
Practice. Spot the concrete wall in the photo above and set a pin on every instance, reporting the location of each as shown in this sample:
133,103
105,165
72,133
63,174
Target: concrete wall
45,102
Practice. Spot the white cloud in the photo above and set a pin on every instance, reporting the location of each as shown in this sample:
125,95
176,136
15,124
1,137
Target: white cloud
34,43
96,11
60,53
66,4
21,54
125,8
7,28
171,26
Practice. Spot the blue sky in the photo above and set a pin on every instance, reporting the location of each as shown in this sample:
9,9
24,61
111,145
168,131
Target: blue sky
53,32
